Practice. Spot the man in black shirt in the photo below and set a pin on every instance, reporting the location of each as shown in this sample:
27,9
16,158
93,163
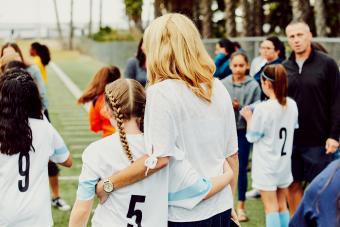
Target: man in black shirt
314,83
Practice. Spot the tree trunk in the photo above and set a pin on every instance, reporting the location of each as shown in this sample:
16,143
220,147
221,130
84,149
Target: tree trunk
320,18
100,13
300,9
90,21
71,27
230,18
247,19
206,13
258,17
60,33
159,8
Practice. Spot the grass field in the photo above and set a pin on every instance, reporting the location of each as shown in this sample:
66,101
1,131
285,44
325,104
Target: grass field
71,120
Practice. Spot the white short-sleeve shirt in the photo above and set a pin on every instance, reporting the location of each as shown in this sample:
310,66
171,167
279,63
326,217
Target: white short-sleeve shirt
181,125
272,132
24,191
145,202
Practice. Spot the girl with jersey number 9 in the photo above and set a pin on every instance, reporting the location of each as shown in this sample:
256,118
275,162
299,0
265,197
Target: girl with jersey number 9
271,129
27,143
139,203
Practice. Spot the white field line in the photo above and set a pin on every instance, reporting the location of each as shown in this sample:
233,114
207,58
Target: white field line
69,178
71,86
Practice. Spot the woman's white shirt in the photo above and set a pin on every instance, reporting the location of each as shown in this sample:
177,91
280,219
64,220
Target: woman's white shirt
181,125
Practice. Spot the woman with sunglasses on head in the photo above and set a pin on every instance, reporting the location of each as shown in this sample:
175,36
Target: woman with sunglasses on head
271,129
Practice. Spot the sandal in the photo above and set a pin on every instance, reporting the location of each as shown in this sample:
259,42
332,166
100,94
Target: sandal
241,215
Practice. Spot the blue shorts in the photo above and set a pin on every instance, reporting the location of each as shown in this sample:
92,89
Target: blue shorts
219,220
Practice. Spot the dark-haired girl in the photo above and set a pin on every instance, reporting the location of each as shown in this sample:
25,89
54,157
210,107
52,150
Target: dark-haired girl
135,66
41,57
271,128
27,143
243,90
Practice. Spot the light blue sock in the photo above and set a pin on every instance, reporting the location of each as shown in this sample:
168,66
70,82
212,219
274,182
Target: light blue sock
273,219
284,218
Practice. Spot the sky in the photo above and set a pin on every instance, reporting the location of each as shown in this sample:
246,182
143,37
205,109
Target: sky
42,12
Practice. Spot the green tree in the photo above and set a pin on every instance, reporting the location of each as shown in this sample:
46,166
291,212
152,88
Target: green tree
133,9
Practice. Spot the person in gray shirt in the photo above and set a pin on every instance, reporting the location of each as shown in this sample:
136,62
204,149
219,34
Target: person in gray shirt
135,66
243,90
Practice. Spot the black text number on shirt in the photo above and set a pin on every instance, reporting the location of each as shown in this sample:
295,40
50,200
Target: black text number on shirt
283,130
132,212
24,161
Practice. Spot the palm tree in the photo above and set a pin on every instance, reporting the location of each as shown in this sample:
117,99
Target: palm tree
60,33
258,17
320,17
230,18
206,13
247,19
71,27
90,21
300,9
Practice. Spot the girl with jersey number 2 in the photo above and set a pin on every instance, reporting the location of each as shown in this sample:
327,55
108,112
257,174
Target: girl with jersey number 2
27,143
144,203
271,129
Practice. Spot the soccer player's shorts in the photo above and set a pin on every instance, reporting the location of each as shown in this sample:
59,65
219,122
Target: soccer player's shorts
308,162
53,169
271,182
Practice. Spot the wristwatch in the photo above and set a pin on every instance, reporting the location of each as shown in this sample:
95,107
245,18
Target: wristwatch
108,186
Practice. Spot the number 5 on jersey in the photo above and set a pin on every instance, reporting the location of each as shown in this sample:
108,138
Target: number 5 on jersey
135,212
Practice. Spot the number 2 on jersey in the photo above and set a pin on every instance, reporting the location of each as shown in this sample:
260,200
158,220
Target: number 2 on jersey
23,184
283,130
132,212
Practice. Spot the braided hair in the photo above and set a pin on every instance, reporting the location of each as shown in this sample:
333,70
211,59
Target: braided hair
126,99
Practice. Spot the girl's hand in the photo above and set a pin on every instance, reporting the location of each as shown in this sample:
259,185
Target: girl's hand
101,194
246,113
236,104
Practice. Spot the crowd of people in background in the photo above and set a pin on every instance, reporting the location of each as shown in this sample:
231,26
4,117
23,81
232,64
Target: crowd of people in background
178,131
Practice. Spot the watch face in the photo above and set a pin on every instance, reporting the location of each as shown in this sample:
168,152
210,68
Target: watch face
108,187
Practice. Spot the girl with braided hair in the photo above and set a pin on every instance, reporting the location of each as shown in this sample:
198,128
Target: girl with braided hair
144,203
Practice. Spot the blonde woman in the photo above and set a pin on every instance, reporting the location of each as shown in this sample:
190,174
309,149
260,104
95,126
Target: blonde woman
188,116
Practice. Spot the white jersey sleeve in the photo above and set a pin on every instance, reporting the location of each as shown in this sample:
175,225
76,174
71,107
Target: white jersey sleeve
88,178
186,187
61,153
232,144
257,128
160,133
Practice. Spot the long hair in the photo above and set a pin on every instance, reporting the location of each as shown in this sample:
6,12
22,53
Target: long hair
19,100
15,47
97,86
278,74
174,50
43,52
140,54
278,46
228,45
126,99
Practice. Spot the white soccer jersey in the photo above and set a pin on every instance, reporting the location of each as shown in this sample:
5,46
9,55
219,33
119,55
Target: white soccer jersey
24,190
181,125
144,203
272,132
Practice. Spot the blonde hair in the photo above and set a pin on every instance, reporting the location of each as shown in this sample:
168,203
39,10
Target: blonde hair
174,50
126,99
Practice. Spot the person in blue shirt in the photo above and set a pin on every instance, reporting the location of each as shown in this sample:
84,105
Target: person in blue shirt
223,50
320,205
